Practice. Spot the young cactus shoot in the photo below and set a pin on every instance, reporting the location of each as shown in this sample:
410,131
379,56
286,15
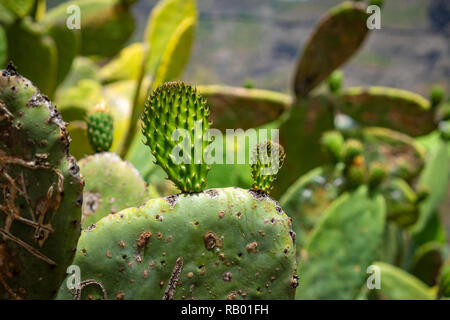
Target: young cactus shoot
175,110
100,128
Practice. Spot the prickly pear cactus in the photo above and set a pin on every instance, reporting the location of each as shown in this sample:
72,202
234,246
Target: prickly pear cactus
111,186
100,129
226,243
40,192
268,158
235,244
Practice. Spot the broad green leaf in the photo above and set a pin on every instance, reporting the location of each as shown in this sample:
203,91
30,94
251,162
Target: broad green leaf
397,284
396,109
233,107
336,38
177,53
342,246
163,24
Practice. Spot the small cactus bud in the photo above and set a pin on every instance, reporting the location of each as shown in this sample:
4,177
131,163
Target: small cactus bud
333,143
268,157
444,130
355,176
100,128
352,149
335,81
437,95
377,173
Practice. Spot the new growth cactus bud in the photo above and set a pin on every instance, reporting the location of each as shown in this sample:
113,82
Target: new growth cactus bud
377,173
100,128
352,149
333,143
268,157
436,95
335,81
172,111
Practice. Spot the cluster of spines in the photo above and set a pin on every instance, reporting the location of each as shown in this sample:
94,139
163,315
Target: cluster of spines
268,157
178,106
100,128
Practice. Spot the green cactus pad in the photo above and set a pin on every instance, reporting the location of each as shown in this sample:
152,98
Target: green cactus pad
268,158
395,246
435,178
397,284
427,262
395,109
106,25
234,244
40,192
337,37
233,107
309,196
26,36
111,185
300,135
100,128
177,106
342,246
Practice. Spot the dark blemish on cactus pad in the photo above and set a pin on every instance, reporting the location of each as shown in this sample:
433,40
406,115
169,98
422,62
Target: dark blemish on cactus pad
221,214
238,215
227,276
91,202
211,241
91,227
257,194
143,239
294,281
172,200
212,193
293,235
252,247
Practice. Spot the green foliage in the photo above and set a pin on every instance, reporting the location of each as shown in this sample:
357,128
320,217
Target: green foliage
41,192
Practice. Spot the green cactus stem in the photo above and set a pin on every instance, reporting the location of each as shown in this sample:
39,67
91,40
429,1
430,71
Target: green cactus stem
40,192
175,106
100,128
268,158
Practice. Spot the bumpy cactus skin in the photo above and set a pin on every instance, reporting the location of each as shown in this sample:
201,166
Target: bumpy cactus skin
268,159
235,244
100,130
40,192
111,186
172,106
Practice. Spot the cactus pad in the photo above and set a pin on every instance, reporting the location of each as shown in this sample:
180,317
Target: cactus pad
40,192
268,158
111,186
219,244
337,37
